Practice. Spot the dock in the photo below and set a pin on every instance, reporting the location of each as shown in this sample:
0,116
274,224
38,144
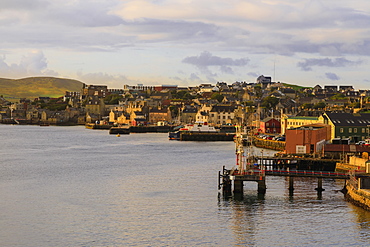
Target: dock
257,168
194,136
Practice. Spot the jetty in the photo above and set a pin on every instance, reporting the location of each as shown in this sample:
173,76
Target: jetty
256,169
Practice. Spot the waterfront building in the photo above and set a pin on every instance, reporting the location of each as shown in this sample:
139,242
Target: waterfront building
203,113
222,114
307,139
288,122
347,125
95,106
119,117
159,115
270,125
188,114
138,118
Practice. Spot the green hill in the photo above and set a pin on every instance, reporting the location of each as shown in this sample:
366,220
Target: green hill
33,87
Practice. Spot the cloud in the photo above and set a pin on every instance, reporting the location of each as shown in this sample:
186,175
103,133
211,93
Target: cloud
194,77
206,59
332,76
253,74
326,62
84,13
116,33
291,26
33,64
23,4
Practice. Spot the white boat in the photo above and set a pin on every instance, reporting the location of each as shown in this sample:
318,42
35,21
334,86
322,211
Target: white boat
200,127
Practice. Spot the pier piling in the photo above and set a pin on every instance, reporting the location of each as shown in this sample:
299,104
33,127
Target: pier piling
319,185
238,186
261,186
291,184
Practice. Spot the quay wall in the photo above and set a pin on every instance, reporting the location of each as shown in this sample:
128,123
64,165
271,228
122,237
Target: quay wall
193,136
359,197
269,144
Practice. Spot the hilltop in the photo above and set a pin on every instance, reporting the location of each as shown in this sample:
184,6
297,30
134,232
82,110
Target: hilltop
33,87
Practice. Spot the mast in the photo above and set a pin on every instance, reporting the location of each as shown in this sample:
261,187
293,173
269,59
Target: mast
239,149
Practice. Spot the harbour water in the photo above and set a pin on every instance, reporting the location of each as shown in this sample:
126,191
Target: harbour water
71,186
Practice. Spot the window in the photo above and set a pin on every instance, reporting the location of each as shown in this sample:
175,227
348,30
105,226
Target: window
341,130
350,130
355,130
363,130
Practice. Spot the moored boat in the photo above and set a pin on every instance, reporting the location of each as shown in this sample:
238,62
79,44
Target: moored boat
199,131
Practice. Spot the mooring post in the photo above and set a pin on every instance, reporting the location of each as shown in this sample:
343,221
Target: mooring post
319,185
291,184
261,186
238,186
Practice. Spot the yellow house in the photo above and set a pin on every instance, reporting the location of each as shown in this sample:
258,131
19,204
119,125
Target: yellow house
118,117
288,122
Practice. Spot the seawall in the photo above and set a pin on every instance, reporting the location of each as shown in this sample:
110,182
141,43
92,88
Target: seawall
359,197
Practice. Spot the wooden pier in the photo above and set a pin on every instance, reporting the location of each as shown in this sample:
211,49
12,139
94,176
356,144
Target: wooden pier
227,177
254,168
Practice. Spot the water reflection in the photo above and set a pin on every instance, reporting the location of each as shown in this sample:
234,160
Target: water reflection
244,217
362,219
301,217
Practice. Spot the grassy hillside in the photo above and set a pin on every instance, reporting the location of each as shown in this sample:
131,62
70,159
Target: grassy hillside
295,87
34,87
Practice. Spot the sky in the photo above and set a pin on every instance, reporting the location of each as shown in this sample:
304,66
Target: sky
187,42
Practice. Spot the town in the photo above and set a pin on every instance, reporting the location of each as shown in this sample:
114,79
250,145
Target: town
328,125
269,107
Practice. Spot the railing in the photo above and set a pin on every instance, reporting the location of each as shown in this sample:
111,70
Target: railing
256,172
353,180
305,173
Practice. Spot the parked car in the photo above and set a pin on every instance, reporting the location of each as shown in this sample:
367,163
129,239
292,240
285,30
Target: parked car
281,139
360,143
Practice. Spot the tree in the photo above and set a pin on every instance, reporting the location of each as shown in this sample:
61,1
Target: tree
307,106
112,99
269,102
338,96
320,105
258,91
217,96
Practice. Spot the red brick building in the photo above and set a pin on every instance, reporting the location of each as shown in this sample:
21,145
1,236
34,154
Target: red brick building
307,139
270,125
